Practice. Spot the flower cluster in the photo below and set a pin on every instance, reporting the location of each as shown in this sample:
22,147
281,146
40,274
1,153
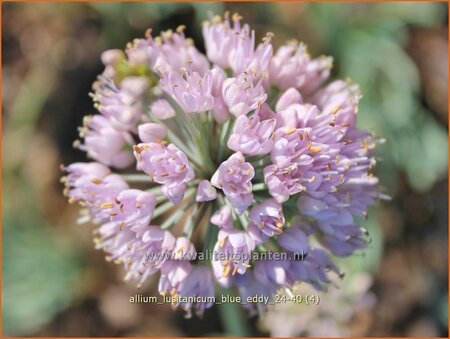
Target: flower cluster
242,151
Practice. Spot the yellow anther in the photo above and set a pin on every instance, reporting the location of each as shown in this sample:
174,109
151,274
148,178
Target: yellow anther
96,181
107,204
315,149
226,271
237,17
335,110
290,131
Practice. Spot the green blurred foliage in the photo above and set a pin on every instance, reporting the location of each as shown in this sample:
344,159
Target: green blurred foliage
41,275
119,18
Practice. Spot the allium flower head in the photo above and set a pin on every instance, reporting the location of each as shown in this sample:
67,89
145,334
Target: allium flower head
208,161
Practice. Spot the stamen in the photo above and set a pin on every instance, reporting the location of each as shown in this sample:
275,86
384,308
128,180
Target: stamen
96,181
106,205
226,271
234,270
290,131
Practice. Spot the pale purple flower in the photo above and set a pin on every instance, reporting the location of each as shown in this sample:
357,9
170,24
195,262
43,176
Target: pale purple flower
339,99
191,91
174,192
251,287
220,39
260,61
155,241
265,112
105,144
179,52
81,178
256,233
132,207
234,177
172,49
241,95
166,165
269,217
251,136
292,66
298,164
287,67
119,244
272,273
92,185
111,58
314,207
151,132
123,104
334,210
143,52
223,218
149,253
173,276
184,249
289,97
233,46
313,269
299,115
334,215
220,111
205,192
162,109
317,72
232,253
350,239
142,249
199,283
294,240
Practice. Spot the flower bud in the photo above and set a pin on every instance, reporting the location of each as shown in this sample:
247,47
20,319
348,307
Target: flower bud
151,132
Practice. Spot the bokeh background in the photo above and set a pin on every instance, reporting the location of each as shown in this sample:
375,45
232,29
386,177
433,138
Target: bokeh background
53,281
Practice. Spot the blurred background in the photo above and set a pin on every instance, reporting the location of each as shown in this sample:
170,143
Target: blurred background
54,282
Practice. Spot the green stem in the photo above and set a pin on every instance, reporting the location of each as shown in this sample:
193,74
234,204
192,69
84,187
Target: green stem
259,187
160,210
136,178
210,233
189,224
225,132
199,216
175,217
202,144
233,320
